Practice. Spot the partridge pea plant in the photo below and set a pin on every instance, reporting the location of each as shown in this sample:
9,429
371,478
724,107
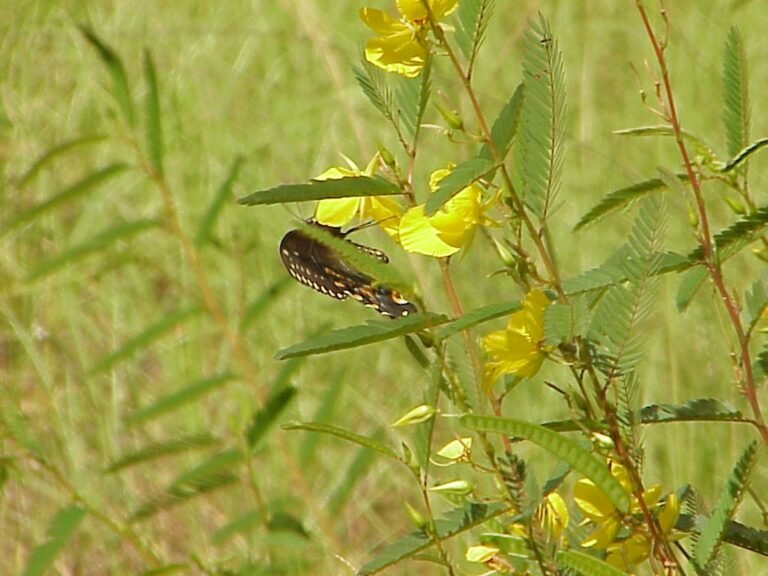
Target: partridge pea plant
501,188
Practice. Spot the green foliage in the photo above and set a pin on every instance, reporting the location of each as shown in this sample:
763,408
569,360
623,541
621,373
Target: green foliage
59,533
141,307
711,533
370,333
567,450
542,121
318,189
735,93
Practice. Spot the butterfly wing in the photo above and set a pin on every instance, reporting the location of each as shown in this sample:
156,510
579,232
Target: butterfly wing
316,265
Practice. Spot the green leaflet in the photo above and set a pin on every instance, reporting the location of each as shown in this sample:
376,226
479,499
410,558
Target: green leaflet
623,197
711,533
60,531
94,245
144,339
456,521
348,187
205,231
473,18
264,418
355,336
624,308
542,122
477,316
162,449
735,93
585,564
360,440
181,397
584,462
154,131
120,88
79,188
505,126
52,153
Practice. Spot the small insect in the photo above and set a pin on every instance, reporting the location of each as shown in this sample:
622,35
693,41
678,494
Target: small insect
316,265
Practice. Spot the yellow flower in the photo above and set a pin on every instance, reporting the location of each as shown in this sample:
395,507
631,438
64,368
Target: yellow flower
627,551
338,212
552,515
518,349
401,45
449,229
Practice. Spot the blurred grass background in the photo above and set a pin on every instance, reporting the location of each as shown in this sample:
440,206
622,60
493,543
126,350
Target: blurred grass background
271,82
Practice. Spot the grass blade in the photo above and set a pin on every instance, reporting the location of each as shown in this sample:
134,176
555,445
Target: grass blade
262,302
505,126
152,109
74,191
161,450
51,154
144,339
586,564
264,418
360,440
181,397
120,88
97,244
205,232
59,532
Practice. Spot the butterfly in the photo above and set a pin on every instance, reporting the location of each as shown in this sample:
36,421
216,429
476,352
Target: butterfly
318,266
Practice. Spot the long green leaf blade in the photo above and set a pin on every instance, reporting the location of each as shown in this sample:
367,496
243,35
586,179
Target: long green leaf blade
205,231
98,243
564,448
143,340
74,191
349,187
59,532
51,154
477,316
349,436
162,449
264,418
355,336
505,126
152,109
120,88
182,397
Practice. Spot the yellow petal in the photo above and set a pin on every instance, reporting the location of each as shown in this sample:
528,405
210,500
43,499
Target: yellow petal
418,236
596,505
670,513
603,535
336,211
414,10
381,22
401,53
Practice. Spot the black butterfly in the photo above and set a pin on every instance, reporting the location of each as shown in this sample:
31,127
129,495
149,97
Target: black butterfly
316,265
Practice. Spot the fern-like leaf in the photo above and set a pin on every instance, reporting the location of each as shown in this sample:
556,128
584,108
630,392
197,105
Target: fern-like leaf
622,198
711,534
473,16
735,94
542,122
623,310
374,85
729,241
